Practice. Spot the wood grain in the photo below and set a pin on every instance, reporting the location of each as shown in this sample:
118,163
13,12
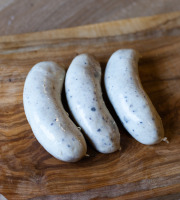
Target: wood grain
27,171
21,16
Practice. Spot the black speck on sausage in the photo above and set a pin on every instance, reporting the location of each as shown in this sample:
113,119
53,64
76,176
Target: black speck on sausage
93,109
125,119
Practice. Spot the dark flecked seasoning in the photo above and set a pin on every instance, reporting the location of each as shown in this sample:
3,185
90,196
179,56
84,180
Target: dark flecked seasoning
63,140
99,130
141,122
133,130
90,118
131,106
52,124
68,145
93,109
125,119
10,80
73,139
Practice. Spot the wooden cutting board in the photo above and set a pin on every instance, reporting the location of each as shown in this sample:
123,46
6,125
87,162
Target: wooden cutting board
138,171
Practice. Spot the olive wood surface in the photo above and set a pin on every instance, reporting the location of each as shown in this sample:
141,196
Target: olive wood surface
27,171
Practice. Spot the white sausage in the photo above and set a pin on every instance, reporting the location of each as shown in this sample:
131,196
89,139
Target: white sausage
44,111
129,100
84,96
